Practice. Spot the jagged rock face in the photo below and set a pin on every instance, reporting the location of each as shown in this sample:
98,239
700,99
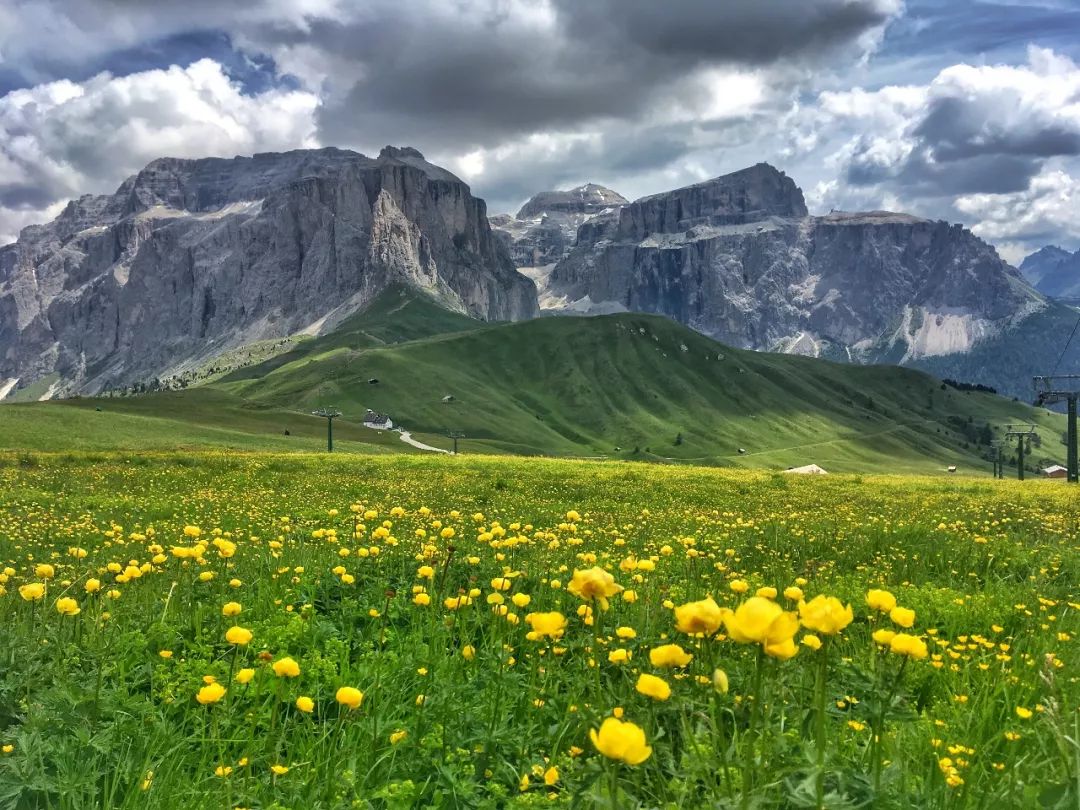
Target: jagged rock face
1054,272
544,229
193,257
739,259
750,195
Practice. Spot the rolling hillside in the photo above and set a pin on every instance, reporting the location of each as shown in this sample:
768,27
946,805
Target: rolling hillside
630,386
621,386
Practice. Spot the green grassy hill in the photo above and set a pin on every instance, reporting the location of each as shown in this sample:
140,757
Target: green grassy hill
622,386
196,418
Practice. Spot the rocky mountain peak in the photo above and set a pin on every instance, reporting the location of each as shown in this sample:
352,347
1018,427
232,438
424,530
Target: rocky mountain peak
1054,272
748,195
1049,252
1042,261
586,199
400,152
190,258
543,230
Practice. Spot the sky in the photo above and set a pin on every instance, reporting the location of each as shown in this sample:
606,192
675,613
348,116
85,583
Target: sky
964,110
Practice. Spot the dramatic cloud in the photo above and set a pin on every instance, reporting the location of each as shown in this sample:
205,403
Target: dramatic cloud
1039,214
443,78
962,110
62,139
517,94
984,129
991,144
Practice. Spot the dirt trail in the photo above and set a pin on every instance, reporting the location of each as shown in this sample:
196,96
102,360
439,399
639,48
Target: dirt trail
406,437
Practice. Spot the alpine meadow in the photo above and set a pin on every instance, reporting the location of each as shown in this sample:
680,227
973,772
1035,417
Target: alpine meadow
274,630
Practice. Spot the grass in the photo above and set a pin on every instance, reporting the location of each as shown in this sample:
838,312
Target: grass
627,387
343,563
647,386
181,419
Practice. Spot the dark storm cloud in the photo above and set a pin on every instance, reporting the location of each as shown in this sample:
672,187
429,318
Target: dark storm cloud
477,79
473,85
25,196
922,176
750,31
958,128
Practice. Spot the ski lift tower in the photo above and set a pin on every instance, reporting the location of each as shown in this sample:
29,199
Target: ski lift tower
455,435
998,450
329,414
1021,432
1063,388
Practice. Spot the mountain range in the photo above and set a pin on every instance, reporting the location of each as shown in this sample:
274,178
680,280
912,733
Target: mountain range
740,259
626,386
1054,272
193,258
213,263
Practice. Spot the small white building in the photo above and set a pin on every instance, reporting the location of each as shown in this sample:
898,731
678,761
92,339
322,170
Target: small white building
1055,471
378,421
809,469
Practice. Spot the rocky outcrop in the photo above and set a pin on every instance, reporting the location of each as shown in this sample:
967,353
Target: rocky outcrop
190,258
544,229
739,259
747,196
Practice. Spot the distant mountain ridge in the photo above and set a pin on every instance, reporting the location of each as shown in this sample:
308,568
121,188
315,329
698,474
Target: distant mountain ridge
544,228
740,259
193,257
190,261
1054,272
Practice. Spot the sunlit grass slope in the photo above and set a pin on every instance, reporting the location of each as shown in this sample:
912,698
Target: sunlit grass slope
637,386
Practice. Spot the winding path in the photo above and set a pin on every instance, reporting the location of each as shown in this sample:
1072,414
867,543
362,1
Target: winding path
406,437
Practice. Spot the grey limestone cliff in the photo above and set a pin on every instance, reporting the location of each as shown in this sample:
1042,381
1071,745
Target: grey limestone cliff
544,229
739,258
190,258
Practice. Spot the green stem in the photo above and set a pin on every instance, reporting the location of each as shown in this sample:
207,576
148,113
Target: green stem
718,712
232,668
879,723
749,747
274,713
597,649
819,703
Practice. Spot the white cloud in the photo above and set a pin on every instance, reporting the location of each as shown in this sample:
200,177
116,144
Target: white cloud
63,139
13,220
997,146
1048,207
